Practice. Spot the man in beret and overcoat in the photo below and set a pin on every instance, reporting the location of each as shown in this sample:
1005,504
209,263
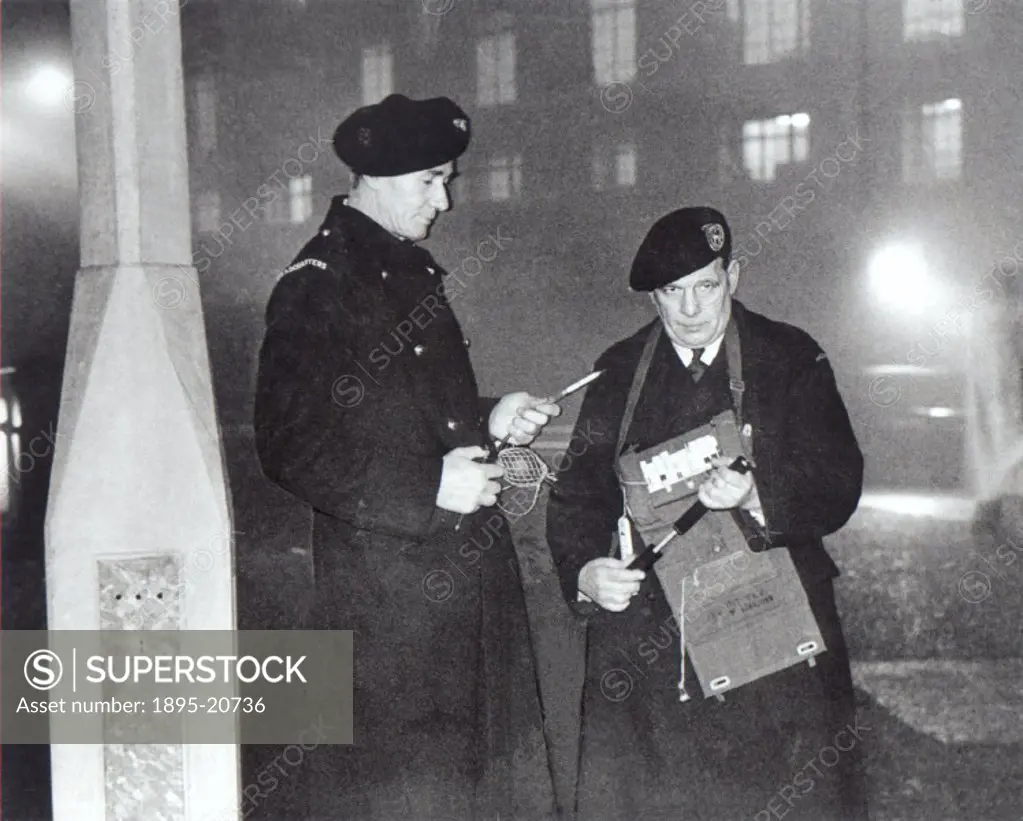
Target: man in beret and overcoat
787,744
367,409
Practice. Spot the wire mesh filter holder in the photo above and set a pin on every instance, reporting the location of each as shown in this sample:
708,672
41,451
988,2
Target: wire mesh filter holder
523,467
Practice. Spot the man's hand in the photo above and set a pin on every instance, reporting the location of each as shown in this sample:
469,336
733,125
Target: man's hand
521,417
467,485
724,489
609,583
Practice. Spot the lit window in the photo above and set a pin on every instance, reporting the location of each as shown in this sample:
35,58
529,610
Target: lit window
495,69
377,73
625,164
300,196
769,144
205,115
932,19
10,463
291,205
502,178
932,142
207,207
616,167
614,40
771,29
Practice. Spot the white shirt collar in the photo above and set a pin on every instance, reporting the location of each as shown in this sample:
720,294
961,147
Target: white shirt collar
708,356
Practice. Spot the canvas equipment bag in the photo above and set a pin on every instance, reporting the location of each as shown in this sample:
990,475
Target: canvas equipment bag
741,614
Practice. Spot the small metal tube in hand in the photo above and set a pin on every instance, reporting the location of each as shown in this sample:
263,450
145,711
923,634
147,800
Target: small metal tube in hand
684,523
562,394
495,450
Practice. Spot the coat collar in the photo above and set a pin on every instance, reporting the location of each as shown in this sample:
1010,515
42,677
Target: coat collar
367,238
362,229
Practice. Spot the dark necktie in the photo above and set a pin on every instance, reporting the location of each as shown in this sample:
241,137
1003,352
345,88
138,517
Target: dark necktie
696,367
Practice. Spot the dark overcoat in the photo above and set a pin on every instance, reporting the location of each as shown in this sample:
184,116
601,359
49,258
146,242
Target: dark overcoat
364,384
758,753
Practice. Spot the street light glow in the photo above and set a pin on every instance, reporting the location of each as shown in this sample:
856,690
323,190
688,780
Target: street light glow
898,276
49,85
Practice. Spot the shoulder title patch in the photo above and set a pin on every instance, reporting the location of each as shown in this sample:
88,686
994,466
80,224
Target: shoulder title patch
303,263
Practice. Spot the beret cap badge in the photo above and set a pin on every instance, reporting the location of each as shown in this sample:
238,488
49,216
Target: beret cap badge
365,136
461,124
715,235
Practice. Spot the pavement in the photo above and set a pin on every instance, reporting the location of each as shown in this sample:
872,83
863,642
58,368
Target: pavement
954,702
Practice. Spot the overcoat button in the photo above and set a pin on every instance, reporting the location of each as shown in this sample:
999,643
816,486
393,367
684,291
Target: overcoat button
325,232
384,274
452,424
466,342
419,350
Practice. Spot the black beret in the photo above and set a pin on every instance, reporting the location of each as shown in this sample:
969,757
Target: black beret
398,136
680,243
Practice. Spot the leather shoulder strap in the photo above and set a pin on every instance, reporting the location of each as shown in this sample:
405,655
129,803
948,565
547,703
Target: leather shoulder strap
733,358
637,384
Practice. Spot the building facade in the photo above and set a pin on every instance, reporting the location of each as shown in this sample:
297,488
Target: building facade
866,154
